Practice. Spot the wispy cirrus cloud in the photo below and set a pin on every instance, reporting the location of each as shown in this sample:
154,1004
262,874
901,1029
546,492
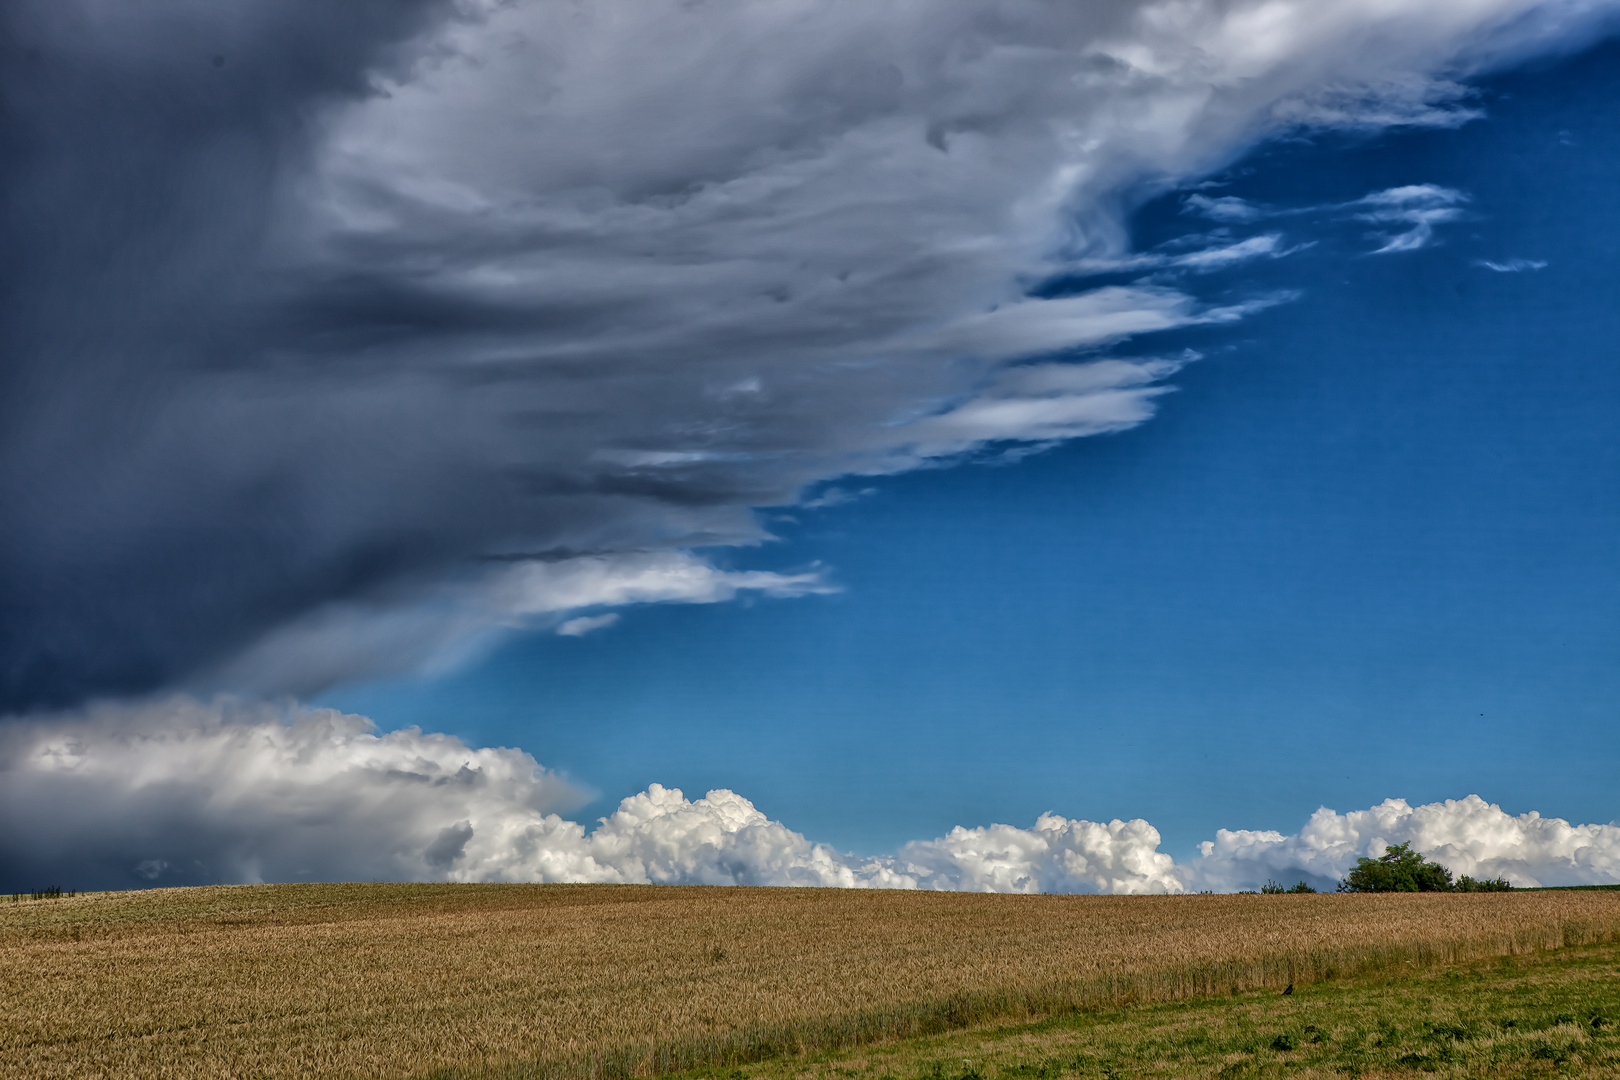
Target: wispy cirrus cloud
466,614
1512,266
1414,209
1224,208
586,624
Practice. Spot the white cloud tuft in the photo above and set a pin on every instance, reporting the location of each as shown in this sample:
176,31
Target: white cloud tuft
462,618
1269,246
180,792
1047,402
585,624
1467,836
1058,855
1227,208
1417,207
1512,266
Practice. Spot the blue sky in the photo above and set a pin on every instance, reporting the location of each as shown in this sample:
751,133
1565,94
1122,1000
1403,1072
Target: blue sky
1025,446
1370,547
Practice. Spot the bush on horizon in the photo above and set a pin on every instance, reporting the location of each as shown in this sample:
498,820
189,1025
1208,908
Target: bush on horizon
1400,869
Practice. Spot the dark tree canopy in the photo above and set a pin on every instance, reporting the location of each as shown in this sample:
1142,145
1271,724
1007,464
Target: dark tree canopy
1398,869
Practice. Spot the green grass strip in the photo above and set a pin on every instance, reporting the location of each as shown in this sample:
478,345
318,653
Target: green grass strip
1224,988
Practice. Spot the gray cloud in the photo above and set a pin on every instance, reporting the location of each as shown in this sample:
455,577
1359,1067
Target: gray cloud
180,792
312,308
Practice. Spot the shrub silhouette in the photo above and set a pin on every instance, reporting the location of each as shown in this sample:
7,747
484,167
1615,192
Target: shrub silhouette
1398,869
1468,884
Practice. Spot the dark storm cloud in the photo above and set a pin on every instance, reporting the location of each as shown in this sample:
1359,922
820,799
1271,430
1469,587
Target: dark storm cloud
311,307
141,145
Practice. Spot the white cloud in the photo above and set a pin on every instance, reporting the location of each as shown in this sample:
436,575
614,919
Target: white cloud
1058,855
1220,255
1467,836
1416,207
1047,402
181,792
541,587
1512,266
585,624
458,620
244,792
1269,245
1226,208
835,496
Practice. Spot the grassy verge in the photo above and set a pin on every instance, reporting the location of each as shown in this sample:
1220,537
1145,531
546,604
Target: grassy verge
1262,977
1554,1014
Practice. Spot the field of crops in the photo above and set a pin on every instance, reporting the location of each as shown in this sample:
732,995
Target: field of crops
1553,1014
399,980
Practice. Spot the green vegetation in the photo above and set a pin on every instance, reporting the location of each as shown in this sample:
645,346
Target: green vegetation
1275,888
1400,869
1556,1014
53,893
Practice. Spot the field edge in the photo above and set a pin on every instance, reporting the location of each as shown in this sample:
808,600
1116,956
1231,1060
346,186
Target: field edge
650,1059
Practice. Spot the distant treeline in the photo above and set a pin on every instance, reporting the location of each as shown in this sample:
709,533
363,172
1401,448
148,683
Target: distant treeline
52,893
1572,888
1400,869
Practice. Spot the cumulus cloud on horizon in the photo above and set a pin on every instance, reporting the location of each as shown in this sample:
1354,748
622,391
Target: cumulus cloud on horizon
379,299
185,792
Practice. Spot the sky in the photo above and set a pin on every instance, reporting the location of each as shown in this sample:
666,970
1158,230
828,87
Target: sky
1145,446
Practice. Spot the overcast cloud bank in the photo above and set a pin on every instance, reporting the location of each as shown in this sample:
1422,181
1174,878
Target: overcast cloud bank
322,318
180,792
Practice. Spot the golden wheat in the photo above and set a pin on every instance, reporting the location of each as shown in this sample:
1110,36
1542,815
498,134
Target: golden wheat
392,980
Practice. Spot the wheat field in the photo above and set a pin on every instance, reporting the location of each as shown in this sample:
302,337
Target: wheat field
615,981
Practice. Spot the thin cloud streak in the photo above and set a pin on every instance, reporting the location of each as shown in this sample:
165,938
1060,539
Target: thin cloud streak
1418,207
1512,266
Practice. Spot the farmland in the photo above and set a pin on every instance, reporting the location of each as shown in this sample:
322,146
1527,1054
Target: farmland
1550,1014
397,980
